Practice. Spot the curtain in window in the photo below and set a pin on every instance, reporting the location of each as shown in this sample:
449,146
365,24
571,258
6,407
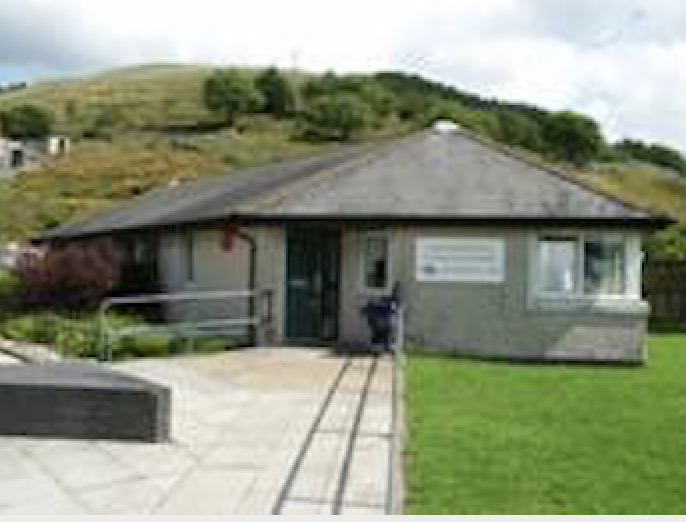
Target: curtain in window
558,265
604,267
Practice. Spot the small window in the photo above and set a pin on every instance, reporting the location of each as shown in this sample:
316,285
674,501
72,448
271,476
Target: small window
17,159
604,266
189,255
375,262
558,265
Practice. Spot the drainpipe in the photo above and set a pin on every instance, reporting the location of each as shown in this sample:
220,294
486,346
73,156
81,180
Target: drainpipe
252,282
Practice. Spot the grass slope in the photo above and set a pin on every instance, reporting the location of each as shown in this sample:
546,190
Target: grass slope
496,438
645,186
99,173
149,96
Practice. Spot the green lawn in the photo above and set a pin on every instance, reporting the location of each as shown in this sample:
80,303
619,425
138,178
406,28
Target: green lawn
498,438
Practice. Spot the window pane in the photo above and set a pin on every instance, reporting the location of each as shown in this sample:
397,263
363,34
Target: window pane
376,262
604,267
558,265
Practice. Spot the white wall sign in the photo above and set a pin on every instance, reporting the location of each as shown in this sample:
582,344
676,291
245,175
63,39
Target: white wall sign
460,259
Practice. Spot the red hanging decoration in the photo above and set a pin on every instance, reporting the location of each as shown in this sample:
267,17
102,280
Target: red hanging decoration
228,236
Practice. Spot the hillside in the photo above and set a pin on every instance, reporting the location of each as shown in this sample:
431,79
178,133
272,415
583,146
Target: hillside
140,127
152,96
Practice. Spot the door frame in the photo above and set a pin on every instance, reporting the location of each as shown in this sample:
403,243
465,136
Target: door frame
336,315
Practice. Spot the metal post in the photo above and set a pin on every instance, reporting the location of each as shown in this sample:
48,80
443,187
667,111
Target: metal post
103,350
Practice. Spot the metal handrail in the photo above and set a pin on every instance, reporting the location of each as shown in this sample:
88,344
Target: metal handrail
182,329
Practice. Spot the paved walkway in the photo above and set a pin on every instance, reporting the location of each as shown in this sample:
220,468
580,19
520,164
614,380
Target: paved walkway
242,422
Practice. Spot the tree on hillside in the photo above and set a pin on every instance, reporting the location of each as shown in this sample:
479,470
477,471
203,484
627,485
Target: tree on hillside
654,153
231,93
573,137
337,117
479,122
367,89
107,121
519,130
326,84
277,91
26,121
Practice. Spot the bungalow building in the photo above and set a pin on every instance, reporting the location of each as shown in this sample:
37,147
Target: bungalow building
494,254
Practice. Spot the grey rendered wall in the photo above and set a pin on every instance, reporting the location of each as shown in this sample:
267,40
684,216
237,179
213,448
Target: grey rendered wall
215,269
271,268
491,319
353,329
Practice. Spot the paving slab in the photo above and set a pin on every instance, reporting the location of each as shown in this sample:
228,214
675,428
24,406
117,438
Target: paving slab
239,420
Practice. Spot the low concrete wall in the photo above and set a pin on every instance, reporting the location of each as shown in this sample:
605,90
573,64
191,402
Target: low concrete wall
81,401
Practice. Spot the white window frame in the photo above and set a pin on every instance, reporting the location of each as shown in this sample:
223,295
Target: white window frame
633,258
362,280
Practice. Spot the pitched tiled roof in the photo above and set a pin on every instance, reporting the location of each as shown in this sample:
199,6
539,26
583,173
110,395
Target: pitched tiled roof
448,175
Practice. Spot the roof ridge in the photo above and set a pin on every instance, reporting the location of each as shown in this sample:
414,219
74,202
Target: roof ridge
557,172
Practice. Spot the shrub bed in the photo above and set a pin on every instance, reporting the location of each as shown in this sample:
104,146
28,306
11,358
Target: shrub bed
76,335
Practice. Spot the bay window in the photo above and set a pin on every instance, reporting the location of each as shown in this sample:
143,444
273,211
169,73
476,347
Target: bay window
587,265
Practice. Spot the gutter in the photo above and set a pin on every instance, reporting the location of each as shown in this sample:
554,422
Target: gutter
652,222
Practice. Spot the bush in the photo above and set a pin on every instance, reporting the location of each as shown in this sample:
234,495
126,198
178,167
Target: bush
27,121
232,94
519,130
367,89
34,327
573,137
107,122
277,91
654,153
668,244
337,117
9,285
77,335
74,277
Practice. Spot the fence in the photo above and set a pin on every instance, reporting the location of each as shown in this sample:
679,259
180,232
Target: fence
664,287
258,305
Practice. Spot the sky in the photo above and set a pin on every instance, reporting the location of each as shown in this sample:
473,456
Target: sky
621,61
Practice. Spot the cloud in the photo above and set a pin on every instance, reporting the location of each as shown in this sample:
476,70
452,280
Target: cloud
619,60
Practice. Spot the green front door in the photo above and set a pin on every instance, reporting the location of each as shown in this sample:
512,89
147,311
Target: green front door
312,280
